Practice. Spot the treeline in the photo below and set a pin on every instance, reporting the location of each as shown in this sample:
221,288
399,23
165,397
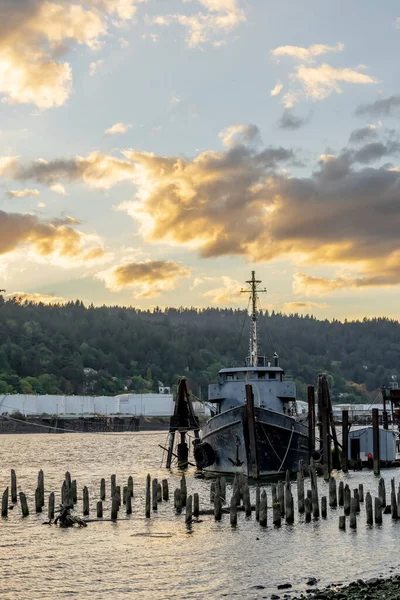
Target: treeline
73,349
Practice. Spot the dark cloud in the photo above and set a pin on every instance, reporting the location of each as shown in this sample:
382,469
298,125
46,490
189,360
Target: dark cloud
380,108
375,151
290,121
364,133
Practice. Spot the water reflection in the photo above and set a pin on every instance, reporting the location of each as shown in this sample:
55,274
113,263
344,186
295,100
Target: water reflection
162,556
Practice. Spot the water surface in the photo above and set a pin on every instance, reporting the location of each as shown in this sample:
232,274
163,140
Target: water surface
162,557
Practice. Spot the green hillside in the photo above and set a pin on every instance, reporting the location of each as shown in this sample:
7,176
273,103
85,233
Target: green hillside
45,349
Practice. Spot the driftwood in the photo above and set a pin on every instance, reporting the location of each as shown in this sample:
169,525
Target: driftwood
66,519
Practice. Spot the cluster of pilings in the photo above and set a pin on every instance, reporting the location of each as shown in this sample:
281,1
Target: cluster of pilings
280,502
69,497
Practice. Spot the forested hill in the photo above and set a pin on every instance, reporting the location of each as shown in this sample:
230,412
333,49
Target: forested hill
74,349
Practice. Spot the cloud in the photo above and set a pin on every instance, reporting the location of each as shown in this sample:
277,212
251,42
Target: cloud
244,201
306,54
97,170
220,18
320,82
34,34
277,89
58,188
36,298
364,133
301,307
23,193
228,293
239,134
95,66
317,82
290,121
55,240
386,107
147,279
117,128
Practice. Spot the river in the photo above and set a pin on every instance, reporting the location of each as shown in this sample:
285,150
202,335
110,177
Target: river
161,557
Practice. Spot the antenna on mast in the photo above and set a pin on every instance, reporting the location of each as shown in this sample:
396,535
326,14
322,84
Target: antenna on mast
253,291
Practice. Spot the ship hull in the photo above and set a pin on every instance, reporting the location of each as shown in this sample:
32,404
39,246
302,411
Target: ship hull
279,443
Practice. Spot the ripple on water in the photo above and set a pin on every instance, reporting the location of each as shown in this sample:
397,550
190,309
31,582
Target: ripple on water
162,557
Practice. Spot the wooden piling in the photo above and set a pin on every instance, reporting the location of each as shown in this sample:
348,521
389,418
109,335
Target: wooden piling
276,514
300,488
357,500
24,504
196,505
130,485
332,493
345,440
353,513
233,510
346,499
85,497
117,494
113,485
376,441
159,492
154,485
394,506
281,498
289,509
99,509
50,509
165,490
124,492
41,488
368,509
103,489
128,502
4,503
189,512
258,499
382,492
311,419
212,492
314,492
246,501
148,496
217,502
183,489
307,509
378,511
114,508
74,492
340,493
68,479
38,501
178,501
342,522
361,492
14,496
323,507
263,516
309,495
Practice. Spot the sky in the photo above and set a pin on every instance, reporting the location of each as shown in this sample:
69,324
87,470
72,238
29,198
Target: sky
154,153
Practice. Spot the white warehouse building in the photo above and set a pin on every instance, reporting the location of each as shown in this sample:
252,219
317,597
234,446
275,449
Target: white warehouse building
124,404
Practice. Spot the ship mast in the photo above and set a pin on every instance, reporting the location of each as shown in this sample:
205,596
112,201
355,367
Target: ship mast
253,291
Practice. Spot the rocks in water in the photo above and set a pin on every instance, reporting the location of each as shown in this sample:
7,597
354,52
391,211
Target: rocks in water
284,586
312,581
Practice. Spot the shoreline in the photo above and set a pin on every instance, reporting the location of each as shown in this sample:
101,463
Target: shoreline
378,588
